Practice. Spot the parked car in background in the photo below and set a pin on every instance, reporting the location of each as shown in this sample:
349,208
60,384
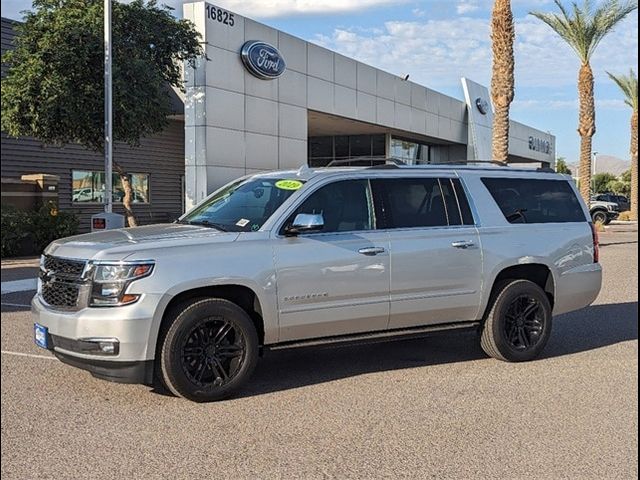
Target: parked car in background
621,200
603,212
320,256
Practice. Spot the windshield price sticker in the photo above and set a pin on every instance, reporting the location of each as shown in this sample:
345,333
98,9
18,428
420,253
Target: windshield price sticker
289,184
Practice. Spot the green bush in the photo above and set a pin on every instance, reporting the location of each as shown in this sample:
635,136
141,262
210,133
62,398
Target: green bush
41,227
13,230
48,224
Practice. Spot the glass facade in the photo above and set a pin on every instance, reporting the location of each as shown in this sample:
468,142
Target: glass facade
410,152
323,150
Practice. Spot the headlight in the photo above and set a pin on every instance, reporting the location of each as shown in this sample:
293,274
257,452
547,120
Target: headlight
110,282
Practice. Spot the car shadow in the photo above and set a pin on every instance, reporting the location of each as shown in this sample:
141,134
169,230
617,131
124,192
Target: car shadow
591,328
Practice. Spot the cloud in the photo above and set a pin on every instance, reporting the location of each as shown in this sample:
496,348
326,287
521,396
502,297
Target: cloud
438,52
280,8
467,6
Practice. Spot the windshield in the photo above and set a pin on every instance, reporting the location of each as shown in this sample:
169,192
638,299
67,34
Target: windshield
243,206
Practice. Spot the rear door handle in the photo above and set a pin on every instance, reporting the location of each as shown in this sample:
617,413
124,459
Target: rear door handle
462,244
371,250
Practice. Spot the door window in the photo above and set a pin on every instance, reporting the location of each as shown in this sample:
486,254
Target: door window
345,206
418,202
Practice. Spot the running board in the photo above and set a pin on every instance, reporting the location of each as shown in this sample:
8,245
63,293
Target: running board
384,335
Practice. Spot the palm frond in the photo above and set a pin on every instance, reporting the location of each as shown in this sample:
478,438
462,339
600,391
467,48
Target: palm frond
629,86
584,26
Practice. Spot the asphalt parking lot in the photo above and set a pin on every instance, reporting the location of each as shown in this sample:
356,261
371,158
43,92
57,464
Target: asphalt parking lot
428,408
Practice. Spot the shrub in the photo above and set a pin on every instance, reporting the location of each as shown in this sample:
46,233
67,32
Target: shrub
41,226
48,224
625,216
13,230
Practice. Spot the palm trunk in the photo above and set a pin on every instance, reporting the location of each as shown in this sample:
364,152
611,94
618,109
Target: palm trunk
128,196
502,79
634,165
586,128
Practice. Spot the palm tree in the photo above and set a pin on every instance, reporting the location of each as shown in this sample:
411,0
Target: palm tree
583,28
502,36
629,86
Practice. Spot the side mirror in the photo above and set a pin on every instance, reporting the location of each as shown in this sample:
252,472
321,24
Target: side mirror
305,222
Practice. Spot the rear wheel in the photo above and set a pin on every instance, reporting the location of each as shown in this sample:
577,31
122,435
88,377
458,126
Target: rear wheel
209,351
518,325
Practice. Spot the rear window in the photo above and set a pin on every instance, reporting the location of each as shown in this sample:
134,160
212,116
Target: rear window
524,200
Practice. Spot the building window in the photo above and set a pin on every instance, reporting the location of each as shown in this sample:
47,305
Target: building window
323,150
88,187
410,152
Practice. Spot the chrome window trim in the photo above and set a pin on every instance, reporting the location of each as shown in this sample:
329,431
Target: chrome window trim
455,194
444,204
470,202
410,229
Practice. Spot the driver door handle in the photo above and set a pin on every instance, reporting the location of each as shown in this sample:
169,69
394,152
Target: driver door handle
371,250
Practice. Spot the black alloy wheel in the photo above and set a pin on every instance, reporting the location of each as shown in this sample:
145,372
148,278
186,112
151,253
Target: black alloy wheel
524,325
518,322
213,352
209,351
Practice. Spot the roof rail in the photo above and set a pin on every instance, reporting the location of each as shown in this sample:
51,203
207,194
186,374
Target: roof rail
472,162
373,162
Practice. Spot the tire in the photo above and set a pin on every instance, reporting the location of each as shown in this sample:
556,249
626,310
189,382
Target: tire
509,332
209,351
608,221
599,216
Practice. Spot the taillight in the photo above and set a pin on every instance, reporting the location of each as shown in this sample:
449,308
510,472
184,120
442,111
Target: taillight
596,243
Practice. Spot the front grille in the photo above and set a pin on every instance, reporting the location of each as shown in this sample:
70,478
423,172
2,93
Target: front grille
61,281
63,267
60,294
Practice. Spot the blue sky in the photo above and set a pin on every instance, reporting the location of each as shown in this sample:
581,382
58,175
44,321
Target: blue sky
439,41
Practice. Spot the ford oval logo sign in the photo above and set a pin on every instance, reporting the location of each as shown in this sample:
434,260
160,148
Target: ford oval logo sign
262,60
482,105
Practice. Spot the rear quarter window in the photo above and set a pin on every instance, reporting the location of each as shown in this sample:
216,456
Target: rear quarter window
524,200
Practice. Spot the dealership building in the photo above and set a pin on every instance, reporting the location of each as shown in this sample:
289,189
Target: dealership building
261,99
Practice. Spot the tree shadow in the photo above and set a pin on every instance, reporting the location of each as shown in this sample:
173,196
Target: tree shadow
591,328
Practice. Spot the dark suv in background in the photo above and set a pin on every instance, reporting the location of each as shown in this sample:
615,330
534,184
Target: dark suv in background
621,200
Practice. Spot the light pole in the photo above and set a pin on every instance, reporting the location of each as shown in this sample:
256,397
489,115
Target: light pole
108,111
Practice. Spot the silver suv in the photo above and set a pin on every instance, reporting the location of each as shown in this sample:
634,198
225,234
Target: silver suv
295,258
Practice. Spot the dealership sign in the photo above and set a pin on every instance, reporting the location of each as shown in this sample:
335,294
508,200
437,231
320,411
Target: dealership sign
539,145
262,60
482,105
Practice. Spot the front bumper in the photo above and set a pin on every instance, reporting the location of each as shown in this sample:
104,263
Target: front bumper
120,372
128,327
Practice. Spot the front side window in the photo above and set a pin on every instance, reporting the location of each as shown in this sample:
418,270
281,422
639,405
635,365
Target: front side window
89,186
524,200
243,206
345,206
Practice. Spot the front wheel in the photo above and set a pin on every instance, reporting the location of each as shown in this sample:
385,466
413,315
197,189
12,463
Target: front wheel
518,325
209,351
599,217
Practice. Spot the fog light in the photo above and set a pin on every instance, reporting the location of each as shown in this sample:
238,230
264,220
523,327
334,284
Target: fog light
98,345
107,347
